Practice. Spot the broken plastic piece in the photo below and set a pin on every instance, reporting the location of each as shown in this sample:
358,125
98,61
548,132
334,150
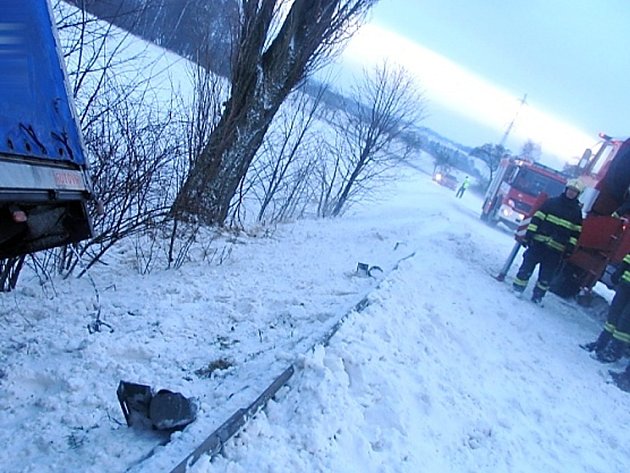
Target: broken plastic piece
165,410
135,400
169,410
362,269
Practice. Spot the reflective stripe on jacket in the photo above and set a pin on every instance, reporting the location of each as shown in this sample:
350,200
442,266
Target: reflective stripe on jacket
557,224
625,269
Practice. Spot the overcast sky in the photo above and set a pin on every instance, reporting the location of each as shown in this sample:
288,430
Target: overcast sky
569,56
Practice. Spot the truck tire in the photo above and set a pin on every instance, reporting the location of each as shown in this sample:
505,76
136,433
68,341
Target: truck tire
488,216
484,214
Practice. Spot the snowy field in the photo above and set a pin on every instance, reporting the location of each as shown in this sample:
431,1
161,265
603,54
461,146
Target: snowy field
444,371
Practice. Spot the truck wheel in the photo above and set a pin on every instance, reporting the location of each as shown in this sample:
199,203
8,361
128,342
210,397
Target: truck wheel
484,215
489,217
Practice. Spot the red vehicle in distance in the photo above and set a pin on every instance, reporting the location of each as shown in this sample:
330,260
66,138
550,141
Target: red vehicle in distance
445,179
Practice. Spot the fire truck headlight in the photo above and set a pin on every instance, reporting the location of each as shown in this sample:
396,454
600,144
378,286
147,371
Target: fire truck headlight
438,177
510,203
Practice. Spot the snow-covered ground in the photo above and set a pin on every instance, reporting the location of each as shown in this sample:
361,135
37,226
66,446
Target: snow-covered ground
444,370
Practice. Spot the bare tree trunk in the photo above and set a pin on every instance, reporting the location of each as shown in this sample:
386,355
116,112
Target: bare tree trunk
222,165
266,69
350,183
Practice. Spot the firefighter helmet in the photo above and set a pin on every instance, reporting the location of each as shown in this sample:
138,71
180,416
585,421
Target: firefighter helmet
575,184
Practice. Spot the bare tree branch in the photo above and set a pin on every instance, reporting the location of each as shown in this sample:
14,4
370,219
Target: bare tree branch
266,69
386,104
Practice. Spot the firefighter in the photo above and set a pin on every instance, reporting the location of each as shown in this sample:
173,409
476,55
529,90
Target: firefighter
615,336
462,188
551,236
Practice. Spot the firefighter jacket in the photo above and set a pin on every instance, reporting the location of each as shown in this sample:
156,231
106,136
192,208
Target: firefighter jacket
557,224
622,274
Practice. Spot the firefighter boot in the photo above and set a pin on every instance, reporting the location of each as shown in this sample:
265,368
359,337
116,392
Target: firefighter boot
519,285
538,294
600,343
612,352
622,380
518,290
537,298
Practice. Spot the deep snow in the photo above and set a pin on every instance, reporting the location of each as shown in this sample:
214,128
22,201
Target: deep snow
445,370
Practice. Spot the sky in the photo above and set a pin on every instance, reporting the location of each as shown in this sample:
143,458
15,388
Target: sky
477,60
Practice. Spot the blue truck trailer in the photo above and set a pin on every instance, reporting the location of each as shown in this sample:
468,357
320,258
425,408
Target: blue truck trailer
44,179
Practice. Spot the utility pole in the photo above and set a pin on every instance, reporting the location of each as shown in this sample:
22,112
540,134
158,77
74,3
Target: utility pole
522,102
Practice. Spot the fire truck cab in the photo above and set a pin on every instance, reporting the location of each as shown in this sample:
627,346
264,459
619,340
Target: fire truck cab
514,189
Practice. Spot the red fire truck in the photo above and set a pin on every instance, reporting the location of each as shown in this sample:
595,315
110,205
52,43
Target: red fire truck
605,238
515,188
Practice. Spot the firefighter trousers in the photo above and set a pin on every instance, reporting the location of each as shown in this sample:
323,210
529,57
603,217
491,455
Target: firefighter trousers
549,261
618,320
